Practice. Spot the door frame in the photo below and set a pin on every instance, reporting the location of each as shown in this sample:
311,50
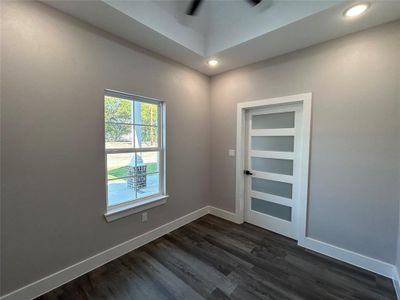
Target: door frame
305,135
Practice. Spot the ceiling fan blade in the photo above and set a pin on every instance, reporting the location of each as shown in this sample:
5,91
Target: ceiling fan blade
193,7
254,2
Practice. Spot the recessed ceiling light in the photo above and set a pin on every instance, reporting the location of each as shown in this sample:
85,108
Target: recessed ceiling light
356,10
213,62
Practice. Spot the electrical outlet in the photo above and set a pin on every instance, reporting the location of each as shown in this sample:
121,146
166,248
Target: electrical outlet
144,217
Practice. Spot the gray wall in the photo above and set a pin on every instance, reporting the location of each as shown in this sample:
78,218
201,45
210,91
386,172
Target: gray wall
397,262
398,139
353,199
54,72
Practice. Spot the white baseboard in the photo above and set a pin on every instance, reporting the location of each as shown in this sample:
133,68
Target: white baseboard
396,281
353,258
61,277
224,214
57,279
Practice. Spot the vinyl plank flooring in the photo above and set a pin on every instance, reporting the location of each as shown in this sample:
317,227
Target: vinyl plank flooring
212,259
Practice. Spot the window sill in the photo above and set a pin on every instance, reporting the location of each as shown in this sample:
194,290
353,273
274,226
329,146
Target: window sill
134,208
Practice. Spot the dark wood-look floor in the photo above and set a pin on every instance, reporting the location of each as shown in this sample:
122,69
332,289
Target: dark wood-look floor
211,258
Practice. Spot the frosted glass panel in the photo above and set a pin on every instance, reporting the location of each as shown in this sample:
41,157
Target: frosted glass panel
279,166
272,209
278,120
276,188
273,143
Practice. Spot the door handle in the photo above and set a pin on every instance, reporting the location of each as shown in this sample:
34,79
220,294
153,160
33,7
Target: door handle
247,172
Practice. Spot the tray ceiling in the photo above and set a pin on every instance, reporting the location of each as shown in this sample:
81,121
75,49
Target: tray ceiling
233,31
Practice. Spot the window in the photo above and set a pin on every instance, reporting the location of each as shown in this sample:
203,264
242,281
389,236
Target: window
134,146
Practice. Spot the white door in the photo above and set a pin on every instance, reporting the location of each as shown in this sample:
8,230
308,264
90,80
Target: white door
273,138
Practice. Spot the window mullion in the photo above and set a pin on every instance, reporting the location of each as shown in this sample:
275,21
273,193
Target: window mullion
132,150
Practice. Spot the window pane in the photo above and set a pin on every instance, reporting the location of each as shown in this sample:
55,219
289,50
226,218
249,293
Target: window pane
118,136
132,176
146,136
123,164
118,110
150,186
277,120
146,113
150,160
118,165
120,190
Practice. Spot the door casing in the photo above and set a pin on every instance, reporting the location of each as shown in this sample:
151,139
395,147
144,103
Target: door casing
304,152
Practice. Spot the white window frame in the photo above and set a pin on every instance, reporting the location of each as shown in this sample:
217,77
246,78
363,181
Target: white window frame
124,209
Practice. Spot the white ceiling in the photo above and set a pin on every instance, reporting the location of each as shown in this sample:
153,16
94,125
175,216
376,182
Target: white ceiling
219,25
231,30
